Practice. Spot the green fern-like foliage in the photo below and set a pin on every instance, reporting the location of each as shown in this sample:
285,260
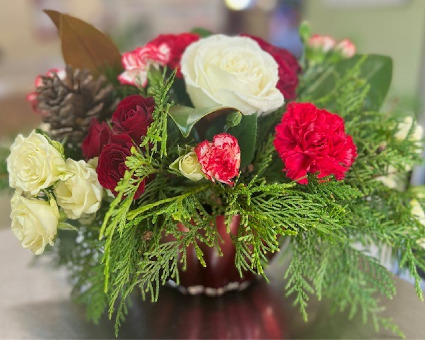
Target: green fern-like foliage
330,233
329,226
341,270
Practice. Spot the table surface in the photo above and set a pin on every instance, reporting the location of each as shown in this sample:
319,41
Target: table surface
35,304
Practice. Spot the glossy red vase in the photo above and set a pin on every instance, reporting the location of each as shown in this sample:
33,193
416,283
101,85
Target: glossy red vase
220,275
253,314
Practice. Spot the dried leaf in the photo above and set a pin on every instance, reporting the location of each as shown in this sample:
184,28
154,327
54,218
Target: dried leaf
83,45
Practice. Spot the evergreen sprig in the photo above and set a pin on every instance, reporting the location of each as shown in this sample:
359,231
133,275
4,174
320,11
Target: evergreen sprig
330,265
328,228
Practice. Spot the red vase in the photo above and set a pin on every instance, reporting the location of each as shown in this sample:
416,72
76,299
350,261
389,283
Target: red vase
253,314
220,275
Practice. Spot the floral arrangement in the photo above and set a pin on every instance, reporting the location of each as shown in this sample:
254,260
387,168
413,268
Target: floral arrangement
143,155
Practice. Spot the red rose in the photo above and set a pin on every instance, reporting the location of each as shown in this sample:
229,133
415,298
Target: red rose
133,116
111,166
220,159
97,137
177,44
311,140
288,67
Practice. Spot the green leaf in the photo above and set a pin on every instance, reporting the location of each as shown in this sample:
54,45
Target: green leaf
186,117
66,226
83,45
202,32
304,32
246,133
375,69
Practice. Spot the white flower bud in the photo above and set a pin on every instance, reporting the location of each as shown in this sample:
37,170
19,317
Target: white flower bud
189,166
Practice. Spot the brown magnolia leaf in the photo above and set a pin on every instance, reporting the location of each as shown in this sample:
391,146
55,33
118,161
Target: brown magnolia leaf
54,16
83,45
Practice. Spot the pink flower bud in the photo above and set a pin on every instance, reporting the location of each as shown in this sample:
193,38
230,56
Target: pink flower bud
323,43
346,48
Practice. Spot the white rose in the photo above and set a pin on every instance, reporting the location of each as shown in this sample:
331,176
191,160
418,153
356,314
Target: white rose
34,222
34,164
231,71
81,192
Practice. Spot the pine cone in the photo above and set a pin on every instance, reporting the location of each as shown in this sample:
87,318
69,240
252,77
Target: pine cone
70,104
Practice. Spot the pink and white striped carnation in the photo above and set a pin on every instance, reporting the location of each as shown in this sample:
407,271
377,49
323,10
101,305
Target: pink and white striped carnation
137,63
220,159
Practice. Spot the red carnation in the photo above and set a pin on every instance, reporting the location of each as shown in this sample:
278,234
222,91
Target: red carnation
133,116
288,67
311,140
98,136
220,159
177,43
111,166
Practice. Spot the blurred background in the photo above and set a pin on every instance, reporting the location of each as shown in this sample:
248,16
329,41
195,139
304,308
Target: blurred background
29,44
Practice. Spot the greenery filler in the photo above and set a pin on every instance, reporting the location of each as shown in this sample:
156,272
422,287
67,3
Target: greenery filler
328,226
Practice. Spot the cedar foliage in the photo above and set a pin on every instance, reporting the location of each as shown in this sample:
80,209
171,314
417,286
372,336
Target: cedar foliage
330,225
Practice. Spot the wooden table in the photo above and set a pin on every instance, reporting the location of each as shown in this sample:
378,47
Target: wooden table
35,304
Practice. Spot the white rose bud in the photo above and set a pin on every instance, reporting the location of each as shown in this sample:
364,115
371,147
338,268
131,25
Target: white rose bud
81,193
34,164
189,166
34,222
233,72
